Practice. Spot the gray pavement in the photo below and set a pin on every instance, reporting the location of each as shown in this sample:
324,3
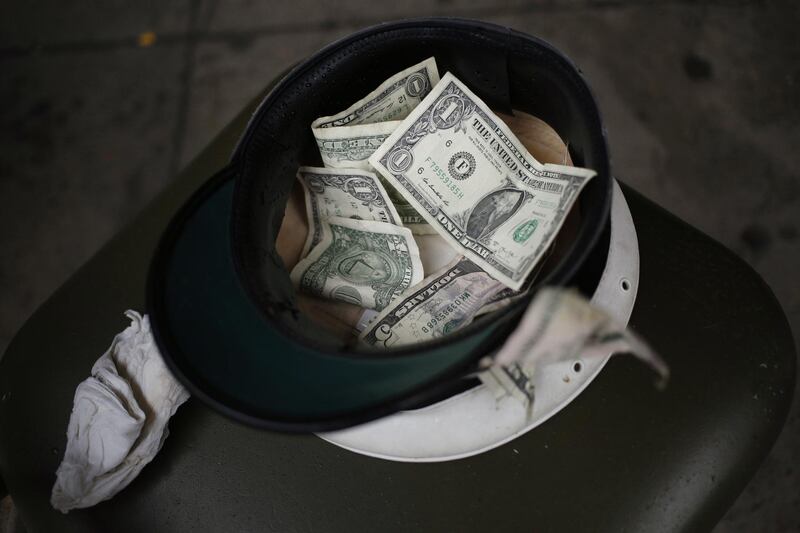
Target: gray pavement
103,102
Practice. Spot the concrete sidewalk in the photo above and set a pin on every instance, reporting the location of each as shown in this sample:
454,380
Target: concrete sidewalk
105,101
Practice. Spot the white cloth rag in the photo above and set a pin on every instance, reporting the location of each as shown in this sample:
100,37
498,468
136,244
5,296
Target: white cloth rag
119,419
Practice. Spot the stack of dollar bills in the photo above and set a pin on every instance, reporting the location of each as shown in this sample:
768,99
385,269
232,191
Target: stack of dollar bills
429,211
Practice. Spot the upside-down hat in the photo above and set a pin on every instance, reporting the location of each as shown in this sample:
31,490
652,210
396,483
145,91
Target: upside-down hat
222,307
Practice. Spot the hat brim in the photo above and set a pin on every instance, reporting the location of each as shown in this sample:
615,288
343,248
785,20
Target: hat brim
223,349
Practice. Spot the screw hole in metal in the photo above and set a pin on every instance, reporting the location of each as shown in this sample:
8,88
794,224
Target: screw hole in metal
625,284
577,367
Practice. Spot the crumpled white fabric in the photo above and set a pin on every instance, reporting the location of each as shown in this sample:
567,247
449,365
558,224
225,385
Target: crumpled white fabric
119,419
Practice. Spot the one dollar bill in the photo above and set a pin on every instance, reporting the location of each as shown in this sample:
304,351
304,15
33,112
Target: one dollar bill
364,263
351,146
344,193
392,100
348,138
444,302
468,175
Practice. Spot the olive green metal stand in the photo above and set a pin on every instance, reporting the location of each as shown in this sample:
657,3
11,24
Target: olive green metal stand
622,457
